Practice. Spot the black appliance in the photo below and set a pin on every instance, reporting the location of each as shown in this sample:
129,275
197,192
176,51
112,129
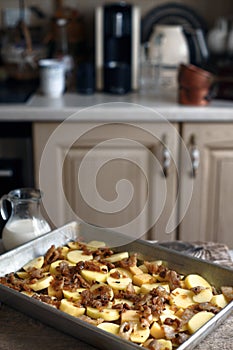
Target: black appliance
117,47
16,159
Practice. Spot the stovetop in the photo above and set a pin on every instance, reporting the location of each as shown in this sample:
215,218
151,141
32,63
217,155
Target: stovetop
17,91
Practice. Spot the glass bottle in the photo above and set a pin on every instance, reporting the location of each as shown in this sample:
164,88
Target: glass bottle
25,222
61,51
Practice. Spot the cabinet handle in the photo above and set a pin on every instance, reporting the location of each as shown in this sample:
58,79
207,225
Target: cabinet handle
195,155
166,158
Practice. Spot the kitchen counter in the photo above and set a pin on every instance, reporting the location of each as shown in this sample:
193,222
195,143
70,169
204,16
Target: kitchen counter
105,107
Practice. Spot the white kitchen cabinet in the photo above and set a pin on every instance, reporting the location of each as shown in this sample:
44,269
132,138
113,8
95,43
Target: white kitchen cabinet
111,175
210,213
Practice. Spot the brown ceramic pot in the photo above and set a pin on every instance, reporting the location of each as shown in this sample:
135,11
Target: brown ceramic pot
193,76
193,96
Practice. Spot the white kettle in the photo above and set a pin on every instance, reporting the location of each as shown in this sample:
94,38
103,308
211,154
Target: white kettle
168,44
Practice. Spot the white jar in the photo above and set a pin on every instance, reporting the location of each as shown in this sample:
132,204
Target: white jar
52,77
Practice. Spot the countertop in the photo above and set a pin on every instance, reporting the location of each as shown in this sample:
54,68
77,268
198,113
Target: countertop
101,107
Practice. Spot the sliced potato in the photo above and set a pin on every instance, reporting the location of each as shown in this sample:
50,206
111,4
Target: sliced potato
105,313
142,278
198,320
70,308
101,284
42,283
118,283
194,280
96,244
204,296
75,256
130,316
64,251
147,287
135,270
122,272
109,327
219,300
182,298
156,331
53,267
73,245
36,263
117,257
22,274
139,335
94,276
165,344
123,301
73,295
54,293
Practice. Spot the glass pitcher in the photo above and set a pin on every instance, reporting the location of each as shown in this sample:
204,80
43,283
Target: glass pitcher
25,222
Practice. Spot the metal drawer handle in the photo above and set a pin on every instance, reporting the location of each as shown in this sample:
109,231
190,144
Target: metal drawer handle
166,158
195,155
6,172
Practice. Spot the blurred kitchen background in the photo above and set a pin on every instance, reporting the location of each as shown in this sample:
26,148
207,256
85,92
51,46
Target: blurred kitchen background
32,24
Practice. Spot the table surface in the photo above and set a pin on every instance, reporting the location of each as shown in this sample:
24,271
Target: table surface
19,332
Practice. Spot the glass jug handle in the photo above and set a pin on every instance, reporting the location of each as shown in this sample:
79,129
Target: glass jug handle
3,207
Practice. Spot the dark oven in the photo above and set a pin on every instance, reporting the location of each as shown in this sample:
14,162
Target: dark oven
16,159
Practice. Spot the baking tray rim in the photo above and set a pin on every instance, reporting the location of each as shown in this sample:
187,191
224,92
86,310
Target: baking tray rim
7,293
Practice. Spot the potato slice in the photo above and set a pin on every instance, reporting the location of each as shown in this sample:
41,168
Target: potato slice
53,267
42,283
182,298
109,327
204,296
147,287
135,270
194,280
117,257
198,320
54,292
101,284
165,344
105,313
123,301
70,308
36,263
119,283
122,272
22,274
74,296
94,276
75,256
219,300
142,278
157,331
73,245
96,244
139,334
130,316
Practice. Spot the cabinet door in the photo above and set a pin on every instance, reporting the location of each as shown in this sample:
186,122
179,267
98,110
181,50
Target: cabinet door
210,213
109,175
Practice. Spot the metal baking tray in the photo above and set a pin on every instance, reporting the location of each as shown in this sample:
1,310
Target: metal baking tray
13,260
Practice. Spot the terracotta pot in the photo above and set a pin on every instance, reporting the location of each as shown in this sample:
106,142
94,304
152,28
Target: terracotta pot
193,76
194,96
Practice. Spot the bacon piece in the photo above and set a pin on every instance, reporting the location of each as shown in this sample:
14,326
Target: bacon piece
227,292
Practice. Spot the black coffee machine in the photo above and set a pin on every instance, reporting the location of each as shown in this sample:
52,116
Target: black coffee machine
117,36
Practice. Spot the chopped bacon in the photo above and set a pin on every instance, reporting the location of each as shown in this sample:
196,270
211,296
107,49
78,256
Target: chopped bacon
129,262
227,292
